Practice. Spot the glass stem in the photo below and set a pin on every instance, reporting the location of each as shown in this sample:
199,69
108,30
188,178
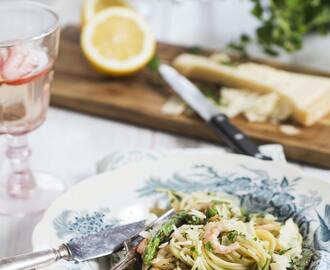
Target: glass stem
20,182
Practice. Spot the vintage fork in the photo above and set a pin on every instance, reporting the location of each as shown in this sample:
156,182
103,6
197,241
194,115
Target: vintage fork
130,246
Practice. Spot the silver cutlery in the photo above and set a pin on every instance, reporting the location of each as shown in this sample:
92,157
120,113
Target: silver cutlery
78,250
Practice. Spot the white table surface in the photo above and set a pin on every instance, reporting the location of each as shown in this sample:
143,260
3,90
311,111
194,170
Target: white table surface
69,143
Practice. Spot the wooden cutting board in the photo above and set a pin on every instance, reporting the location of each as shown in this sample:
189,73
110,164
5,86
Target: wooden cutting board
138,100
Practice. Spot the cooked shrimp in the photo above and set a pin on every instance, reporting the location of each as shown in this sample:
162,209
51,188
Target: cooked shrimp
20,61
142,246
213,231
3,58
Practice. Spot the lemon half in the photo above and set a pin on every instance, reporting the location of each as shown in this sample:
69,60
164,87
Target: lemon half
117,41
92,7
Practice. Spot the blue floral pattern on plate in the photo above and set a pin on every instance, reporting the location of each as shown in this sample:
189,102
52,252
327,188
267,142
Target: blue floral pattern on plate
75,224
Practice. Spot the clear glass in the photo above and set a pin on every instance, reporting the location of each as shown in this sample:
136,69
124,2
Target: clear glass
29,40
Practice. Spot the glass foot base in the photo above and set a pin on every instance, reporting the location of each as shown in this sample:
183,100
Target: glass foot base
47,189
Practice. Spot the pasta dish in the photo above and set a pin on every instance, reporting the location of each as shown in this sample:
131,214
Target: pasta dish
212,232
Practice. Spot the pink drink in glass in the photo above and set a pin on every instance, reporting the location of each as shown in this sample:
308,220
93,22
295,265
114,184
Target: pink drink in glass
29,36
25,77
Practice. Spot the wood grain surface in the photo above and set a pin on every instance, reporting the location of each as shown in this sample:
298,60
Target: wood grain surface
138,99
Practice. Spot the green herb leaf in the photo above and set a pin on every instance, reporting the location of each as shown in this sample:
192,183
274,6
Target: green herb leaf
208,246
212,94
245,38
232,235
239,47
284,251
154,63
211,212
257,10
195,50
245,216
193,220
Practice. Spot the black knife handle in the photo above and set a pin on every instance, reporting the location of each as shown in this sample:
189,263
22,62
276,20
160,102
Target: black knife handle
235,138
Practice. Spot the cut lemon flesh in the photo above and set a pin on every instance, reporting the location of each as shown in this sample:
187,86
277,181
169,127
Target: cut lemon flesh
92,7
117,41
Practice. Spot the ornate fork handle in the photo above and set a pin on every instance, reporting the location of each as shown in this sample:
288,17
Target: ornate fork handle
35,260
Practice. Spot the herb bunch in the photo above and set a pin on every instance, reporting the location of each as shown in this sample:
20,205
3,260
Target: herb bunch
285,23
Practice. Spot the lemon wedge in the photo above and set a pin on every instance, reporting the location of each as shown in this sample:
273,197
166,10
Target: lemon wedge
117,41
92,7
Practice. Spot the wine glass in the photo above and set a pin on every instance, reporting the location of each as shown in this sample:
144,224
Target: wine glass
29,39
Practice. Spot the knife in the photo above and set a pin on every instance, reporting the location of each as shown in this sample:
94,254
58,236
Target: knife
231,135
78,250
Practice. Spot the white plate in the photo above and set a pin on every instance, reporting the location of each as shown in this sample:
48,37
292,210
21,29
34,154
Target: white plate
97,203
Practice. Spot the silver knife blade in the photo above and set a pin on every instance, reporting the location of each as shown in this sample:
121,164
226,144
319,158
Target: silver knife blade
102,243
189,92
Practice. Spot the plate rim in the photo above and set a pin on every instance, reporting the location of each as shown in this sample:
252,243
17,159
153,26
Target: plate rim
167,160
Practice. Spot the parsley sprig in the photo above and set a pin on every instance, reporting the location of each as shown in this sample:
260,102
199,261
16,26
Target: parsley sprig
285,23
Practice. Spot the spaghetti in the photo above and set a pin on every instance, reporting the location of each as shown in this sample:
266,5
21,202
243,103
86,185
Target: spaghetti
212,233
